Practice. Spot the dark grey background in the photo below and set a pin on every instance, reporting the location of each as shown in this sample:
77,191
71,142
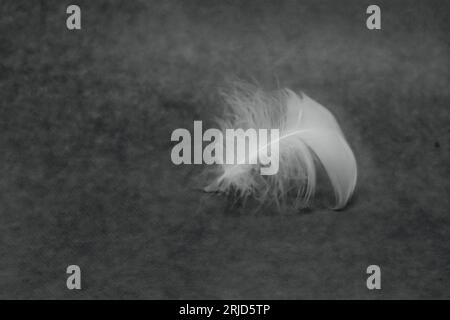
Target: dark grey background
85,170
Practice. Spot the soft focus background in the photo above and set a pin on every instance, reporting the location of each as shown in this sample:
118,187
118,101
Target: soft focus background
85,170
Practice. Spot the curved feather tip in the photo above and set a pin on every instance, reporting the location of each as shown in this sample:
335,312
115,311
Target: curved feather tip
308,134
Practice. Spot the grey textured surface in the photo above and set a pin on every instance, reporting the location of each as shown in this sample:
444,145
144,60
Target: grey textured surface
85,171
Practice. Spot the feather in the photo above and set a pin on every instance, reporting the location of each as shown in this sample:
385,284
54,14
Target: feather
308,134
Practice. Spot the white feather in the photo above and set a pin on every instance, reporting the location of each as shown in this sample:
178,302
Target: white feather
308,133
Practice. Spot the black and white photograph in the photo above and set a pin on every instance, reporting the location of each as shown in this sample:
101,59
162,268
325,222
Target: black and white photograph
224,150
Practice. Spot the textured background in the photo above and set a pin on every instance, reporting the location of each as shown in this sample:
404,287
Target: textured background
85,170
